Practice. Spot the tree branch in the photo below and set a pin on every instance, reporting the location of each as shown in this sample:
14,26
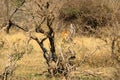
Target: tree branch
16,9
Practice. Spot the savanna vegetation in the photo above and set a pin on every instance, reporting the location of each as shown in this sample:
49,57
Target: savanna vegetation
59,40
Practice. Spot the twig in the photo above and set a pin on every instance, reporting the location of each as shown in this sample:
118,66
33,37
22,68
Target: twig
86,56
61,53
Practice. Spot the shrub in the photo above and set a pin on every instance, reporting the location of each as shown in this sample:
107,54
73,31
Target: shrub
94,13
68,13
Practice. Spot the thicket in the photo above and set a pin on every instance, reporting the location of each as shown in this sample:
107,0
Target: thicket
93,13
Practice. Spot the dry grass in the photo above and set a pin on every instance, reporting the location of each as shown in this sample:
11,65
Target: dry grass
93,57
33,65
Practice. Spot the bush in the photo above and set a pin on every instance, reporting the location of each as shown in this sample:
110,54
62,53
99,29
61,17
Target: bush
94,13
68,13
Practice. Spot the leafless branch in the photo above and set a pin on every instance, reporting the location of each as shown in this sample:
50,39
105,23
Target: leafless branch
16,9
86,56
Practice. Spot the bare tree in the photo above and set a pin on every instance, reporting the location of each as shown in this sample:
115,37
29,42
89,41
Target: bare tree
46,14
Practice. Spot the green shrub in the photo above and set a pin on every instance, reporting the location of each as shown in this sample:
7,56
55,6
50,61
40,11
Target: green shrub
68,13
18,2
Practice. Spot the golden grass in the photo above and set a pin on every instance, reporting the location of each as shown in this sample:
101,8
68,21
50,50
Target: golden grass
34,63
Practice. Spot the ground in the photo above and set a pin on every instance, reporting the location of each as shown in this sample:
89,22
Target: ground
98,65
